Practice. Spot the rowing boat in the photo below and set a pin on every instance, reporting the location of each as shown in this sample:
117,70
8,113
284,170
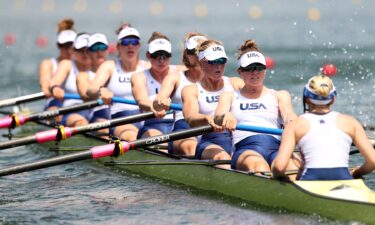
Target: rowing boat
342,200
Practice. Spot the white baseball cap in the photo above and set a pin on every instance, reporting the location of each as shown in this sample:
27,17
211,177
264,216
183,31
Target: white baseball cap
250,58
66,36
97,38
128,31
213,52
193,41
81,41
159,44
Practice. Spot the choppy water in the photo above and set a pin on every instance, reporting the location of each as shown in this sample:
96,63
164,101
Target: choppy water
285,30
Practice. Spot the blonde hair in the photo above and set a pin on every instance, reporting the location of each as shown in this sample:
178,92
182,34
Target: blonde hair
157,35
122,26
321,84
247,46
65,24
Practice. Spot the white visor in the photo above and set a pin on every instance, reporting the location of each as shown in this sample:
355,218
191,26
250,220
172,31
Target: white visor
66,36
128,31
159,45
250,58
81,41
192,42
97,38
213,52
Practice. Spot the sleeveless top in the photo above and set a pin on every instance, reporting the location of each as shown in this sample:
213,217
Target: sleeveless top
120,85
176,97
55,63
208,100
324,145
70,86
262,111
153,87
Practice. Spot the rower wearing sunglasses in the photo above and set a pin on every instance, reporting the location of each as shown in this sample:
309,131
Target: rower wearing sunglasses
171,91
65,80
254,104
113,79
200,100
146,84
324,138
97,51
48,67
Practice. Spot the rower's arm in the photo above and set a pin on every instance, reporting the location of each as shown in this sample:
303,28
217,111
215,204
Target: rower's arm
365,148
190,107
286,107
45,75
60,76
237,83
223,115
139,90
162,100
83,81
103,75
288,142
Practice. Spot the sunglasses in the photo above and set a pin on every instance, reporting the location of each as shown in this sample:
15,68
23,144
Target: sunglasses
129,41
190,51
252,68
220,61
161,55
98,47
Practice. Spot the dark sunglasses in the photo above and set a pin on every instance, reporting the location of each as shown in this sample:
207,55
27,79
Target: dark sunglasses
252,68
98,47
129,41
190,51
161,55
220,61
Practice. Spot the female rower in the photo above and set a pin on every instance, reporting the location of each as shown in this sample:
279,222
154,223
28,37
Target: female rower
172,86
324,138
97,52
254,104
113,79
146,84
65,80
48,67
200,100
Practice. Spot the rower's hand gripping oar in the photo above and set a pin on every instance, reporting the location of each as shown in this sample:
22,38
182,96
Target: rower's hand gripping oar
114,149
17,120
63,133
22,99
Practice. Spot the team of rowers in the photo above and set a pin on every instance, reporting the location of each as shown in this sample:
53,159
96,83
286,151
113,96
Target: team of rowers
324,137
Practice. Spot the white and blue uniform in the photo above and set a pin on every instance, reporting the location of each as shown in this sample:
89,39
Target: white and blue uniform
208,101
325,149
179,121
165,124
52,101
70,87
262,111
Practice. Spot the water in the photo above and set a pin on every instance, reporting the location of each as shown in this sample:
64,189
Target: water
81,193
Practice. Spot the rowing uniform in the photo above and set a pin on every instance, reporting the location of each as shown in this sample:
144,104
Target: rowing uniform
165,124
179,121
70,87
98,112
325,149
262,111
52,101
207,101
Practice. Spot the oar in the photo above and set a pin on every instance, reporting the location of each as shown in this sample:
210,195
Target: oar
65,132
114,149
17,120
175,106
22,99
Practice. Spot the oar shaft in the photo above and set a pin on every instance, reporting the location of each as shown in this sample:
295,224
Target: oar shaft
18,142
22,99
46,163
